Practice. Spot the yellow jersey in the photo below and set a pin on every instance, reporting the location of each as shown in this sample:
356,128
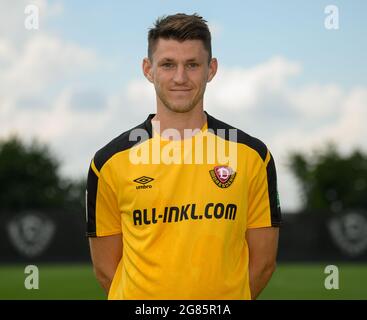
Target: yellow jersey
182,211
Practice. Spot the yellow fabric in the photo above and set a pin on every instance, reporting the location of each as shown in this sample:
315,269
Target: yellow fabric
182,257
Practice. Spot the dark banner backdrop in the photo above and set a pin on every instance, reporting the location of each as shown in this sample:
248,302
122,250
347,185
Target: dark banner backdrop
59,236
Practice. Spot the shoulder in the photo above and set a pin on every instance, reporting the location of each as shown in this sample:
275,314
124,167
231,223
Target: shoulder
124,141
231,133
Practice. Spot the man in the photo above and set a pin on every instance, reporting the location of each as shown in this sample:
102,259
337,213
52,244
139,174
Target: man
173,224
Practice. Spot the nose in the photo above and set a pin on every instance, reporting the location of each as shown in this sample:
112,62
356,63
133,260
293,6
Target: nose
180,75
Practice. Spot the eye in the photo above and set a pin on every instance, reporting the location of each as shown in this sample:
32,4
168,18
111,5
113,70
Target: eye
193,65
167,65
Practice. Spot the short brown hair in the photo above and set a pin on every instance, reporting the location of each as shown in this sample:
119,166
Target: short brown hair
180,27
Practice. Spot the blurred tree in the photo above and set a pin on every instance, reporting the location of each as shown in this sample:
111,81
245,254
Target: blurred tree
331,181
29,179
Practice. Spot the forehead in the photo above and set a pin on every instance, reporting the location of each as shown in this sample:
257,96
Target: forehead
173,49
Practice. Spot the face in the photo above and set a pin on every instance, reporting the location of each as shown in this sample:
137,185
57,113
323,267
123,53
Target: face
179,72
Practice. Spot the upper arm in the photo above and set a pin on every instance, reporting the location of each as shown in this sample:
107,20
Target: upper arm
263,245
106,253
103,223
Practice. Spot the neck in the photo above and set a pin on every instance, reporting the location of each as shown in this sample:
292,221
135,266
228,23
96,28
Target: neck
193,119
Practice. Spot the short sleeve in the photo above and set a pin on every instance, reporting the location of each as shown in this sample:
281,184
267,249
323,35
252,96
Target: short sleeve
264,206
102,214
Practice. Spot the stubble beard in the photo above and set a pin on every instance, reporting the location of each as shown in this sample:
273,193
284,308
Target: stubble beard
181,107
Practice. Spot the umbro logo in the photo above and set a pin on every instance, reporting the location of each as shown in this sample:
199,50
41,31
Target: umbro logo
143,182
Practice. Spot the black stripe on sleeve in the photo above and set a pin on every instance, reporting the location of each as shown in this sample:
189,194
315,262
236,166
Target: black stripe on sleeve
276,217
91,196
123,142
221,129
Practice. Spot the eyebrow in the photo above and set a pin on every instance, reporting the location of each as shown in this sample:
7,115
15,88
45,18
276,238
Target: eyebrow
172,60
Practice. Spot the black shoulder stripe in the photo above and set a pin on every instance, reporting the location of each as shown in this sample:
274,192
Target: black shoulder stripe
242,137
276,215
123,142
91,198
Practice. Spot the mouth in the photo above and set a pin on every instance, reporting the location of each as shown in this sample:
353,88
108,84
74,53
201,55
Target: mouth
181,90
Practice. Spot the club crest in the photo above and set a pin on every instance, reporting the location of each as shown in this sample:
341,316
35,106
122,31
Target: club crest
31,233
222,176
349,232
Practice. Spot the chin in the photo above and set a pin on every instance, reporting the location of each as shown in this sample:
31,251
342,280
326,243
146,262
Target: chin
179,105
181,109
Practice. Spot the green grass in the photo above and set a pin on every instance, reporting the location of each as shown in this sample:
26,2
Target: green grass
306,281
290,281
61,281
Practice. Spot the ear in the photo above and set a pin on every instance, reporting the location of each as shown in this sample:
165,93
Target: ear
213,67
147,69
